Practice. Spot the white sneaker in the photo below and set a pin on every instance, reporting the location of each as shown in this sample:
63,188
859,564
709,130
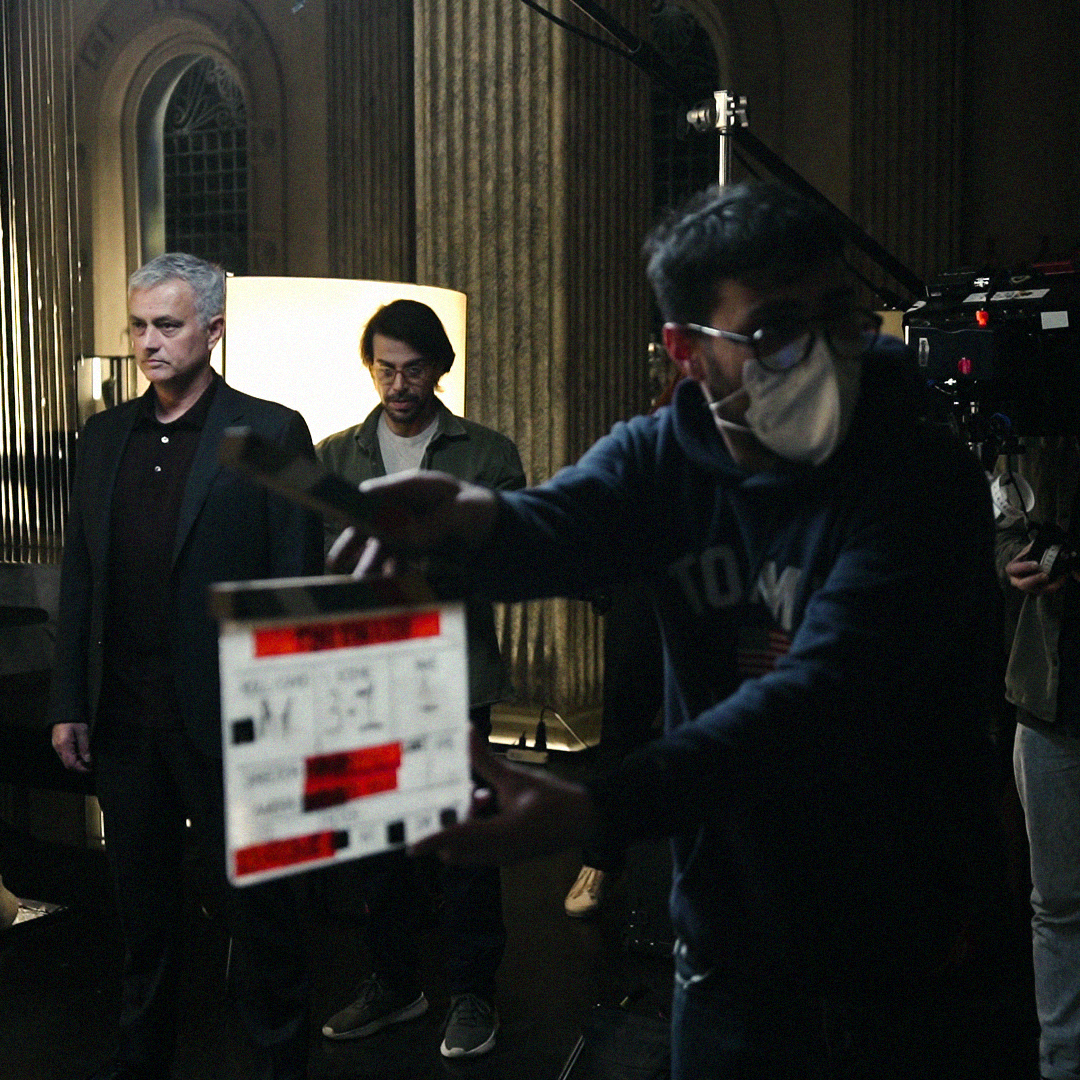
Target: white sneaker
586,893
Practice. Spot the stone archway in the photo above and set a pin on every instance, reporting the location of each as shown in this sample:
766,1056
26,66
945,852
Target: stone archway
121,54
750,46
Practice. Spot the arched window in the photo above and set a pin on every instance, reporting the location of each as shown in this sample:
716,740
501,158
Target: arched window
684,161
193,176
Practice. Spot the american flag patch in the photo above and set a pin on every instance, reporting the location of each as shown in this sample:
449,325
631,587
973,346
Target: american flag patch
758,649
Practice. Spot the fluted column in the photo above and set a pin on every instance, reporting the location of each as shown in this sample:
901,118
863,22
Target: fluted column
531,188
907,133
39,280
369,55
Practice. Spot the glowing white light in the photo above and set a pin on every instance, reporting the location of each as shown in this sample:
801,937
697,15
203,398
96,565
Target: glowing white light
296,341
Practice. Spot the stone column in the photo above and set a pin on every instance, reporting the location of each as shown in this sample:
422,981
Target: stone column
532,183
907,150
369,55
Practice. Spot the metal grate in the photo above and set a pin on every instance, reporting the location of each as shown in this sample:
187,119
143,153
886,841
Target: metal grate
684,161
205,167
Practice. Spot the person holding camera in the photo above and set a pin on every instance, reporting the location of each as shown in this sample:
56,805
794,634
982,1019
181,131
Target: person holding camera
1043,682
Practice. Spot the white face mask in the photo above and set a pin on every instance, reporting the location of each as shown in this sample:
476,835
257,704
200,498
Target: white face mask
803,414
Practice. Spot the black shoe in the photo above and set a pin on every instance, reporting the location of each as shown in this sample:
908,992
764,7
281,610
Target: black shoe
378,1005
470,1027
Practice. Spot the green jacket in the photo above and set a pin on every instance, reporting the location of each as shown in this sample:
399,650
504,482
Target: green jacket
1052,467
470,452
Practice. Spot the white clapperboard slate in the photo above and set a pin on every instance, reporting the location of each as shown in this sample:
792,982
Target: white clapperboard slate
344,709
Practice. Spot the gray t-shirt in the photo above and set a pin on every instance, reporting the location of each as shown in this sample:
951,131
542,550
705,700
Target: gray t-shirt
403,452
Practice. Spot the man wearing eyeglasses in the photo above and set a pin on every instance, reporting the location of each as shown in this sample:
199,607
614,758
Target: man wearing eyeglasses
405,348
821,566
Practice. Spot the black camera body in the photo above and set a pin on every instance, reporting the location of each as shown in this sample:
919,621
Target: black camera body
1054,551
1000,350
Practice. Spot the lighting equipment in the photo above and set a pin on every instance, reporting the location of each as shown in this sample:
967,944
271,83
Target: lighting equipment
297,341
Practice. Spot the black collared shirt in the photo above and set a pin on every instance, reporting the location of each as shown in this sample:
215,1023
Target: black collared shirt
139,672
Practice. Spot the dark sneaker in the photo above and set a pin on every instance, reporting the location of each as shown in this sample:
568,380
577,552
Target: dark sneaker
470,1027
379,1005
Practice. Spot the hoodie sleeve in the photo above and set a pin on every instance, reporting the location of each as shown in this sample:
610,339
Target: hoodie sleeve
890,660
587,525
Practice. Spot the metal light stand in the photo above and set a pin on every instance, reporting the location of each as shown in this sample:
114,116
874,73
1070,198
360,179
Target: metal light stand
724,112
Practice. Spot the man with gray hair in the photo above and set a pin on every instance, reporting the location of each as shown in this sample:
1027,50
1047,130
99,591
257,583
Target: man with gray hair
154,520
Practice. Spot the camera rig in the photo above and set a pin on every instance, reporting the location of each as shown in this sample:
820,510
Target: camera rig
1001,352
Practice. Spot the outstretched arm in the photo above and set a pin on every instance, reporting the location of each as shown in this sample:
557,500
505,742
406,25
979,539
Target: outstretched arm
417,513
538,814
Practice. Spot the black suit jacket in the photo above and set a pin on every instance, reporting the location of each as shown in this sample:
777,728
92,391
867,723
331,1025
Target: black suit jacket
229,529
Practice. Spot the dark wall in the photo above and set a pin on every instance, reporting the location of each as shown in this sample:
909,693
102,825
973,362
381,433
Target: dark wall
1022,168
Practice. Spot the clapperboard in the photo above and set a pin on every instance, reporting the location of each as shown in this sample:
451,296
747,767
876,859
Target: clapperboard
344,720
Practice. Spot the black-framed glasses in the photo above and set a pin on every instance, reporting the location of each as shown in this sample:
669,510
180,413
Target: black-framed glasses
786,343
415,371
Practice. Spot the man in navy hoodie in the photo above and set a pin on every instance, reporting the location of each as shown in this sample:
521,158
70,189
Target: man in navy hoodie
821,566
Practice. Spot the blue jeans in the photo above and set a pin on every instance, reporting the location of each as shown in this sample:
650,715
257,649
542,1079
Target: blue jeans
1047,765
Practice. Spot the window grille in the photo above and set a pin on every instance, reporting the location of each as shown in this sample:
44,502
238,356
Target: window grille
205,167
684,161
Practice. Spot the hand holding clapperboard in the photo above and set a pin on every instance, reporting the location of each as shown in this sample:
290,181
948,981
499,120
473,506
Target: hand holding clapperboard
344,701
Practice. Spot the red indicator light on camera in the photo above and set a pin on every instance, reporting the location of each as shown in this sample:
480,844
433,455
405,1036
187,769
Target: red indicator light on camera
982,317
964,366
